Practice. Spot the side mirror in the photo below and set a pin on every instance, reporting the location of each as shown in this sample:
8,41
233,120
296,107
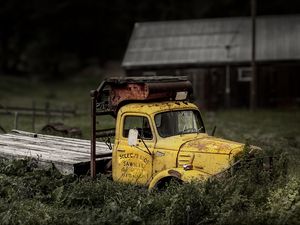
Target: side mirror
133,137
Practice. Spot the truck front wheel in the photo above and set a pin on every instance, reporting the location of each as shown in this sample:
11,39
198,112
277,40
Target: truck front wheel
165,182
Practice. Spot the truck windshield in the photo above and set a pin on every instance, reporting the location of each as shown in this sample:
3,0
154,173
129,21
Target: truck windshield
178,123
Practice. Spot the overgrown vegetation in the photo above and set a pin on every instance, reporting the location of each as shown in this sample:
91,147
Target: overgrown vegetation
250,196
29,195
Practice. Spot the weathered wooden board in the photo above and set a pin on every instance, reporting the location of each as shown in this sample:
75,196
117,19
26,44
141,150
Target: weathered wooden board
65,153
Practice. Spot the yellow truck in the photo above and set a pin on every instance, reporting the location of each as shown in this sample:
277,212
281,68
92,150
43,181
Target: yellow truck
159,134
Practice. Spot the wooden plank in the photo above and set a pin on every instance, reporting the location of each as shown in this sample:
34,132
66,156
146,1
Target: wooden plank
40,147
83,143
64,140
63,167
64,153
43,149
43,156
54,144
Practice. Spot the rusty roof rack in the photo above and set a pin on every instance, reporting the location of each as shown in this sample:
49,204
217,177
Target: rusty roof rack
114,92
130,80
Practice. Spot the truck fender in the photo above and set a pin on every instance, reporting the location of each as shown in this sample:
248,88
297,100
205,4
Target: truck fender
179,174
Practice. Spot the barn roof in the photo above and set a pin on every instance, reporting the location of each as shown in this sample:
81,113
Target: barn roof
213,41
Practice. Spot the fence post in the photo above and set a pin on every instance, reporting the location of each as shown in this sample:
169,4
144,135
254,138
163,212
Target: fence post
75,110
63,113
33,116
16,120
47,111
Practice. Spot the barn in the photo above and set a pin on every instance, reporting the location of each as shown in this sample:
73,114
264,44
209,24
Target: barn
216,54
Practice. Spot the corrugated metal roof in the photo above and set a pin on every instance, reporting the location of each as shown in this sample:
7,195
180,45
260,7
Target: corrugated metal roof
210,41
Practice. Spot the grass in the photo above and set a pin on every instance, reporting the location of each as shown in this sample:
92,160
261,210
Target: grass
251,196
268,129
29,195
72,92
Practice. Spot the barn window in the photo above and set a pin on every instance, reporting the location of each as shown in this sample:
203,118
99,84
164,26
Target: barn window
149,73
244,74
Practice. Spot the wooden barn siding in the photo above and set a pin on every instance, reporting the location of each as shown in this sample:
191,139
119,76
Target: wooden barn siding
278,84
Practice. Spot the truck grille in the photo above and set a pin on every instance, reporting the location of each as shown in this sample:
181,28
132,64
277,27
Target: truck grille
185,159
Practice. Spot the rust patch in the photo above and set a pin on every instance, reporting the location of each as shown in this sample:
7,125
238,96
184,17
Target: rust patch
174,173
211,145
147,91
128,92
197,144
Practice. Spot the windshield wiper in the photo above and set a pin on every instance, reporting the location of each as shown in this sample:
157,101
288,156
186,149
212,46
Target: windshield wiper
191,130
201,128
188,131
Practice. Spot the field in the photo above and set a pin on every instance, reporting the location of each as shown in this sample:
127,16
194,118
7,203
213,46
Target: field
29,195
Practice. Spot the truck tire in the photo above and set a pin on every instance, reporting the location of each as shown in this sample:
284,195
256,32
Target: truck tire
165,182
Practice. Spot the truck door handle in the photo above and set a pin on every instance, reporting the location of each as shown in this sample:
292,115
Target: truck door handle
120,150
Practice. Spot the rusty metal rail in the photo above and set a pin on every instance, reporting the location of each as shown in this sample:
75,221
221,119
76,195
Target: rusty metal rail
28,111
93,134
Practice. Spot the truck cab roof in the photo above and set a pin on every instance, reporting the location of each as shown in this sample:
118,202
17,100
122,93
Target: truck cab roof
157,107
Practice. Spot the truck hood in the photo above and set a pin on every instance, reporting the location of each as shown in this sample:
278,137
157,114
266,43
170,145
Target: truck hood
199,143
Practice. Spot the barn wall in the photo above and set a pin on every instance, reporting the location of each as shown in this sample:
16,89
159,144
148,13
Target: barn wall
278,84
197,76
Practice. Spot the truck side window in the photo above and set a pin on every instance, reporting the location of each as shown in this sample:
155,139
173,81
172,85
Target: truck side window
140,123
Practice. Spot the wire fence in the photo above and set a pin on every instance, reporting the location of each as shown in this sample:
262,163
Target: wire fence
61,110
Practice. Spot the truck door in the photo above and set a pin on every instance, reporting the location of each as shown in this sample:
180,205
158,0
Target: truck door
133,164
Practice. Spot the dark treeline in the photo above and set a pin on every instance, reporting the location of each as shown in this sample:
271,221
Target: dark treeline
50,36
